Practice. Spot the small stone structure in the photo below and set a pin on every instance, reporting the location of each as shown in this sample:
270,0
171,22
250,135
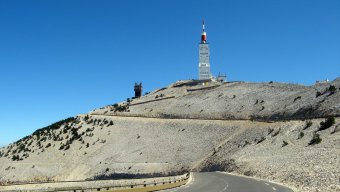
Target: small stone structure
138,90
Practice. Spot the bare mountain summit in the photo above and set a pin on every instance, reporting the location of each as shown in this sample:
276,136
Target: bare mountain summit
235,101
281,132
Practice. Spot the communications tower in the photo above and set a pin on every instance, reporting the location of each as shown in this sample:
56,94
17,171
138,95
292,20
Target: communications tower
204,57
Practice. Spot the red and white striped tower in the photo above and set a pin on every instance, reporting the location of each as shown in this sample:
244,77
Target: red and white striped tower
204,34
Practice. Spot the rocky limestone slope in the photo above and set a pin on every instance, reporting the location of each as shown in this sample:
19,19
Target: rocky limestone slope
235,100
197,132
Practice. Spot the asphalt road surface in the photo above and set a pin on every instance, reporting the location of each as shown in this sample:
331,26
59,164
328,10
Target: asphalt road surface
219,182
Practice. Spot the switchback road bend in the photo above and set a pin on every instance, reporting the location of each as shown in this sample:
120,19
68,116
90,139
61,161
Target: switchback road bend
219,182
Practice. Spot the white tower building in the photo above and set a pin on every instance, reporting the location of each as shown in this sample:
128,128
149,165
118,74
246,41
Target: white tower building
204,57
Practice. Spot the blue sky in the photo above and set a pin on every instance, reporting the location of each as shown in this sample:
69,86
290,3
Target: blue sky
61,58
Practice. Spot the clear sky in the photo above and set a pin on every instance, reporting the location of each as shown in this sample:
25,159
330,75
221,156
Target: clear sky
61,58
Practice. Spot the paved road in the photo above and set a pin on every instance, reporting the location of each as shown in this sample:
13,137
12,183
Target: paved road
219,182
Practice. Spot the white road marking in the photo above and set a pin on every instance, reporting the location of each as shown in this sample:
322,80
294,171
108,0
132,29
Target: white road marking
190,181
226,185
274,188
266,183
225,188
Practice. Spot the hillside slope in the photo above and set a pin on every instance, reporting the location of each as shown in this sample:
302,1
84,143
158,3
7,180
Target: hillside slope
197,131
235,100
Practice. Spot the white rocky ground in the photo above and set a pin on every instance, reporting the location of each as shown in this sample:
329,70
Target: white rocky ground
183,139
235,100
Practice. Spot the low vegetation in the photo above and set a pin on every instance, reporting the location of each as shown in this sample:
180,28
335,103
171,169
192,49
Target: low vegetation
315,140
261,140
336,129
331,89
16,158
299,97
308,124
270,130
120,108
276,133
301,134
318,94
157,96
327,124
20,149
53,126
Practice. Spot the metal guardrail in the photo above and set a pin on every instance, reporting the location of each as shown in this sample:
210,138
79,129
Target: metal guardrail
107,187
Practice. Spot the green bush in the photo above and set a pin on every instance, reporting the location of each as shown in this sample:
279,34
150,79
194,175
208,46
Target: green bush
284,143
120,108
327,124
30,143
301,134
270,131
276,133
261,140
332,88
67,147
61,147
246,143
53,126
21,148
315,140
39,144
308,124
90,121
299,97
318,93
15,158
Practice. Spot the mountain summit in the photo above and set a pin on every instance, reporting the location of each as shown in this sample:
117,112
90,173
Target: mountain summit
276,131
